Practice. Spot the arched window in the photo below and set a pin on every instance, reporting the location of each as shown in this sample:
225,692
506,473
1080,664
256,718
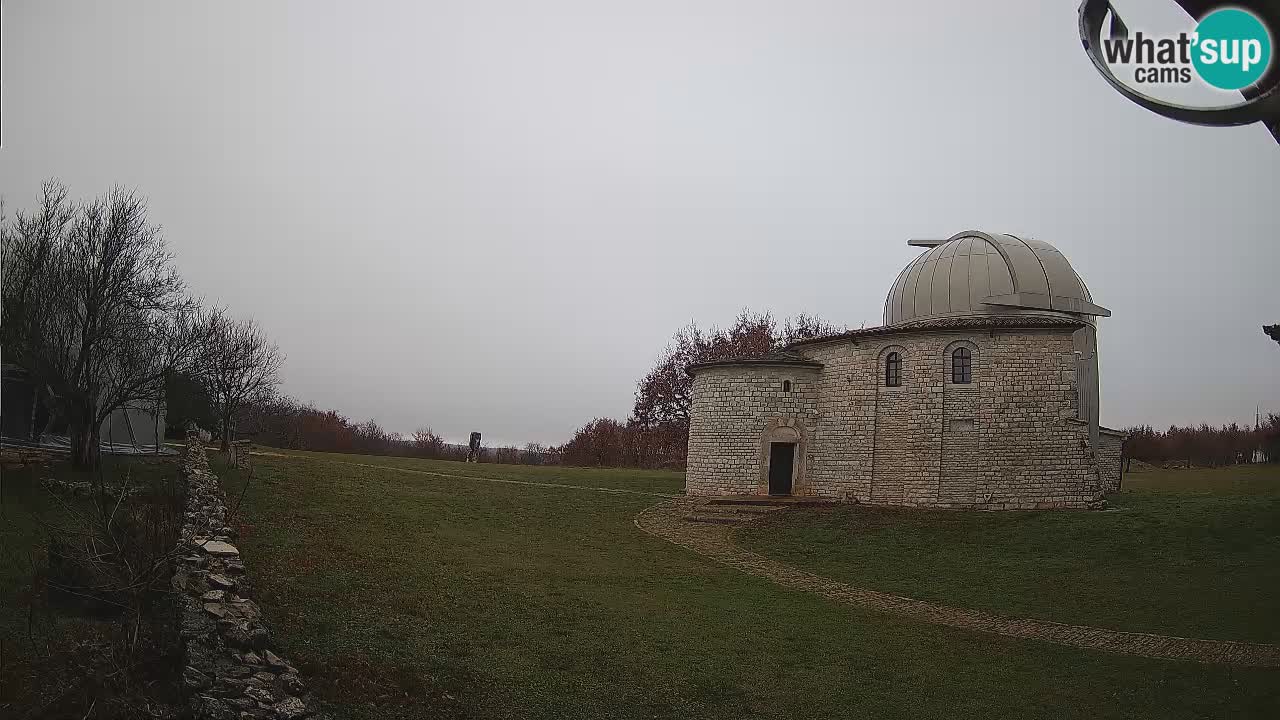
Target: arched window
786,386
893,370
962,366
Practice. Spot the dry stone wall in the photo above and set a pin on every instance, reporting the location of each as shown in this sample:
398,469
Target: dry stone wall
1008,440
231,672
84,488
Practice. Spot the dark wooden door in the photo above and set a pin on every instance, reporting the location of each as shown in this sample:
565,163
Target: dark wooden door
781,458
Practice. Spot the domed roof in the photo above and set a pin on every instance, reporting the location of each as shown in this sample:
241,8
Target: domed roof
978,273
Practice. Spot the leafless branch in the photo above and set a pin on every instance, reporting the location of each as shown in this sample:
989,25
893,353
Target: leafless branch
92,306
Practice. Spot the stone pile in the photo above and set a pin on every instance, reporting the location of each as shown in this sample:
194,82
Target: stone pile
14,458
239,452
231,672
84,488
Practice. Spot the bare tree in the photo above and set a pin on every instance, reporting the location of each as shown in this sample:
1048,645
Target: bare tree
93,307
426,443
239,367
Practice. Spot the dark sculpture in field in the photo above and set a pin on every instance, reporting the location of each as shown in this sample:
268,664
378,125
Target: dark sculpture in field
473,448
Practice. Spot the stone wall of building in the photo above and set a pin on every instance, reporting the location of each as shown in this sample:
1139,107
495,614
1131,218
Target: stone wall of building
1006,441
232,672
1110,459
733,409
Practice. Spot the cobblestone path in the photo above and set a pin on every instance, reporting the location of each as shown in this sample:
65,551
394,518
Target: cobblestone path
667,521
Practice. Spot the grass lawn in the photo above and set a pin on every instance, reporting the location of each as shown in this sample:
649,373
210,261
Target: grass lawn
1187,552
646,481
406,595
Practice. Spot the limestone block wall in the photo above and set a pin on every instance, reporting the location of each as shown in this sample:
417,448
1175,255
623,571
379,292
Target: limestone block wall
1008,440
1036,455
842,453
961,447
733,409
1110,459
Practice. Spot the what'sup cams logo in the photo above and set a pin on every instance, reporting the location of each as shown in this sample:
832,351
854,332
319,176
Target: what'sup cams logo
1231,48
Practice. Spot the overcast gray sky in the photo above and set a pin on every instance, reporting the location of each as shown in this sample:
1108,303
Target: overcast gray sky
492,215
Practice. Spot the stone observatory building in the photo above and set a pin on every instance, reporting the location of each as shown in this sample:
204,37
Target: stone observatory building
979,391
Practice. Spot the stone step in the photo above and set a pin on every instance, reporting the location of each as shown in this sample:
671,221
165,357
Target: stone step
776,500
744,509
718,510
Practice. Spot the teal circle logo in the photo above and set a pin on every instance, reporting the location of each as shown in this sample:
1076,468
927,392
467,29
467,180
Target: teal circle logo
1233,49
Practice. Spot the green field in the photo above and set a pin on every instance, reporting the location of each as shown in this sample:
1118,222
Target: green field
1194,553
408,589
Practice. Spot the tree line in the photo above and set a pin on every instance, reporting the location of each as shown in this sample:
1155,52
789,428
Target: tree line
1204,446
284,422
656,435
95,312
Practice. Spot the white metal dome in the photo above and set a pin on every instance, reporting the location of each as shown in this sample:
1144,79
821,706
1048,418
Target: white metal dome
978,273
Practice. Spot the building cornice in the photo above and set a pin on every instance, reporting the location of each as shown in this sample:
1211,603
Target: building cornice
966,322
775,359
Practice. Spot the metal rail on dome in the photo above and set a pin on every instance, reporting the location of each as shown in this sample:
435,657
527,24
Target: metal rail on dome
1261,102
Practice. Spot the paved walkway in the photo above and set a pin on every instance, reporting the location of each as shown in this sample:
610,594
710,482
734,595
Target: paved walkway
667,521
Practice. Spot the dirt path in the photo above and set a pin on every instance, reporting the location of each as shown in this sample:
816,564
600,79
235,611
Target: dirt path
667,521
